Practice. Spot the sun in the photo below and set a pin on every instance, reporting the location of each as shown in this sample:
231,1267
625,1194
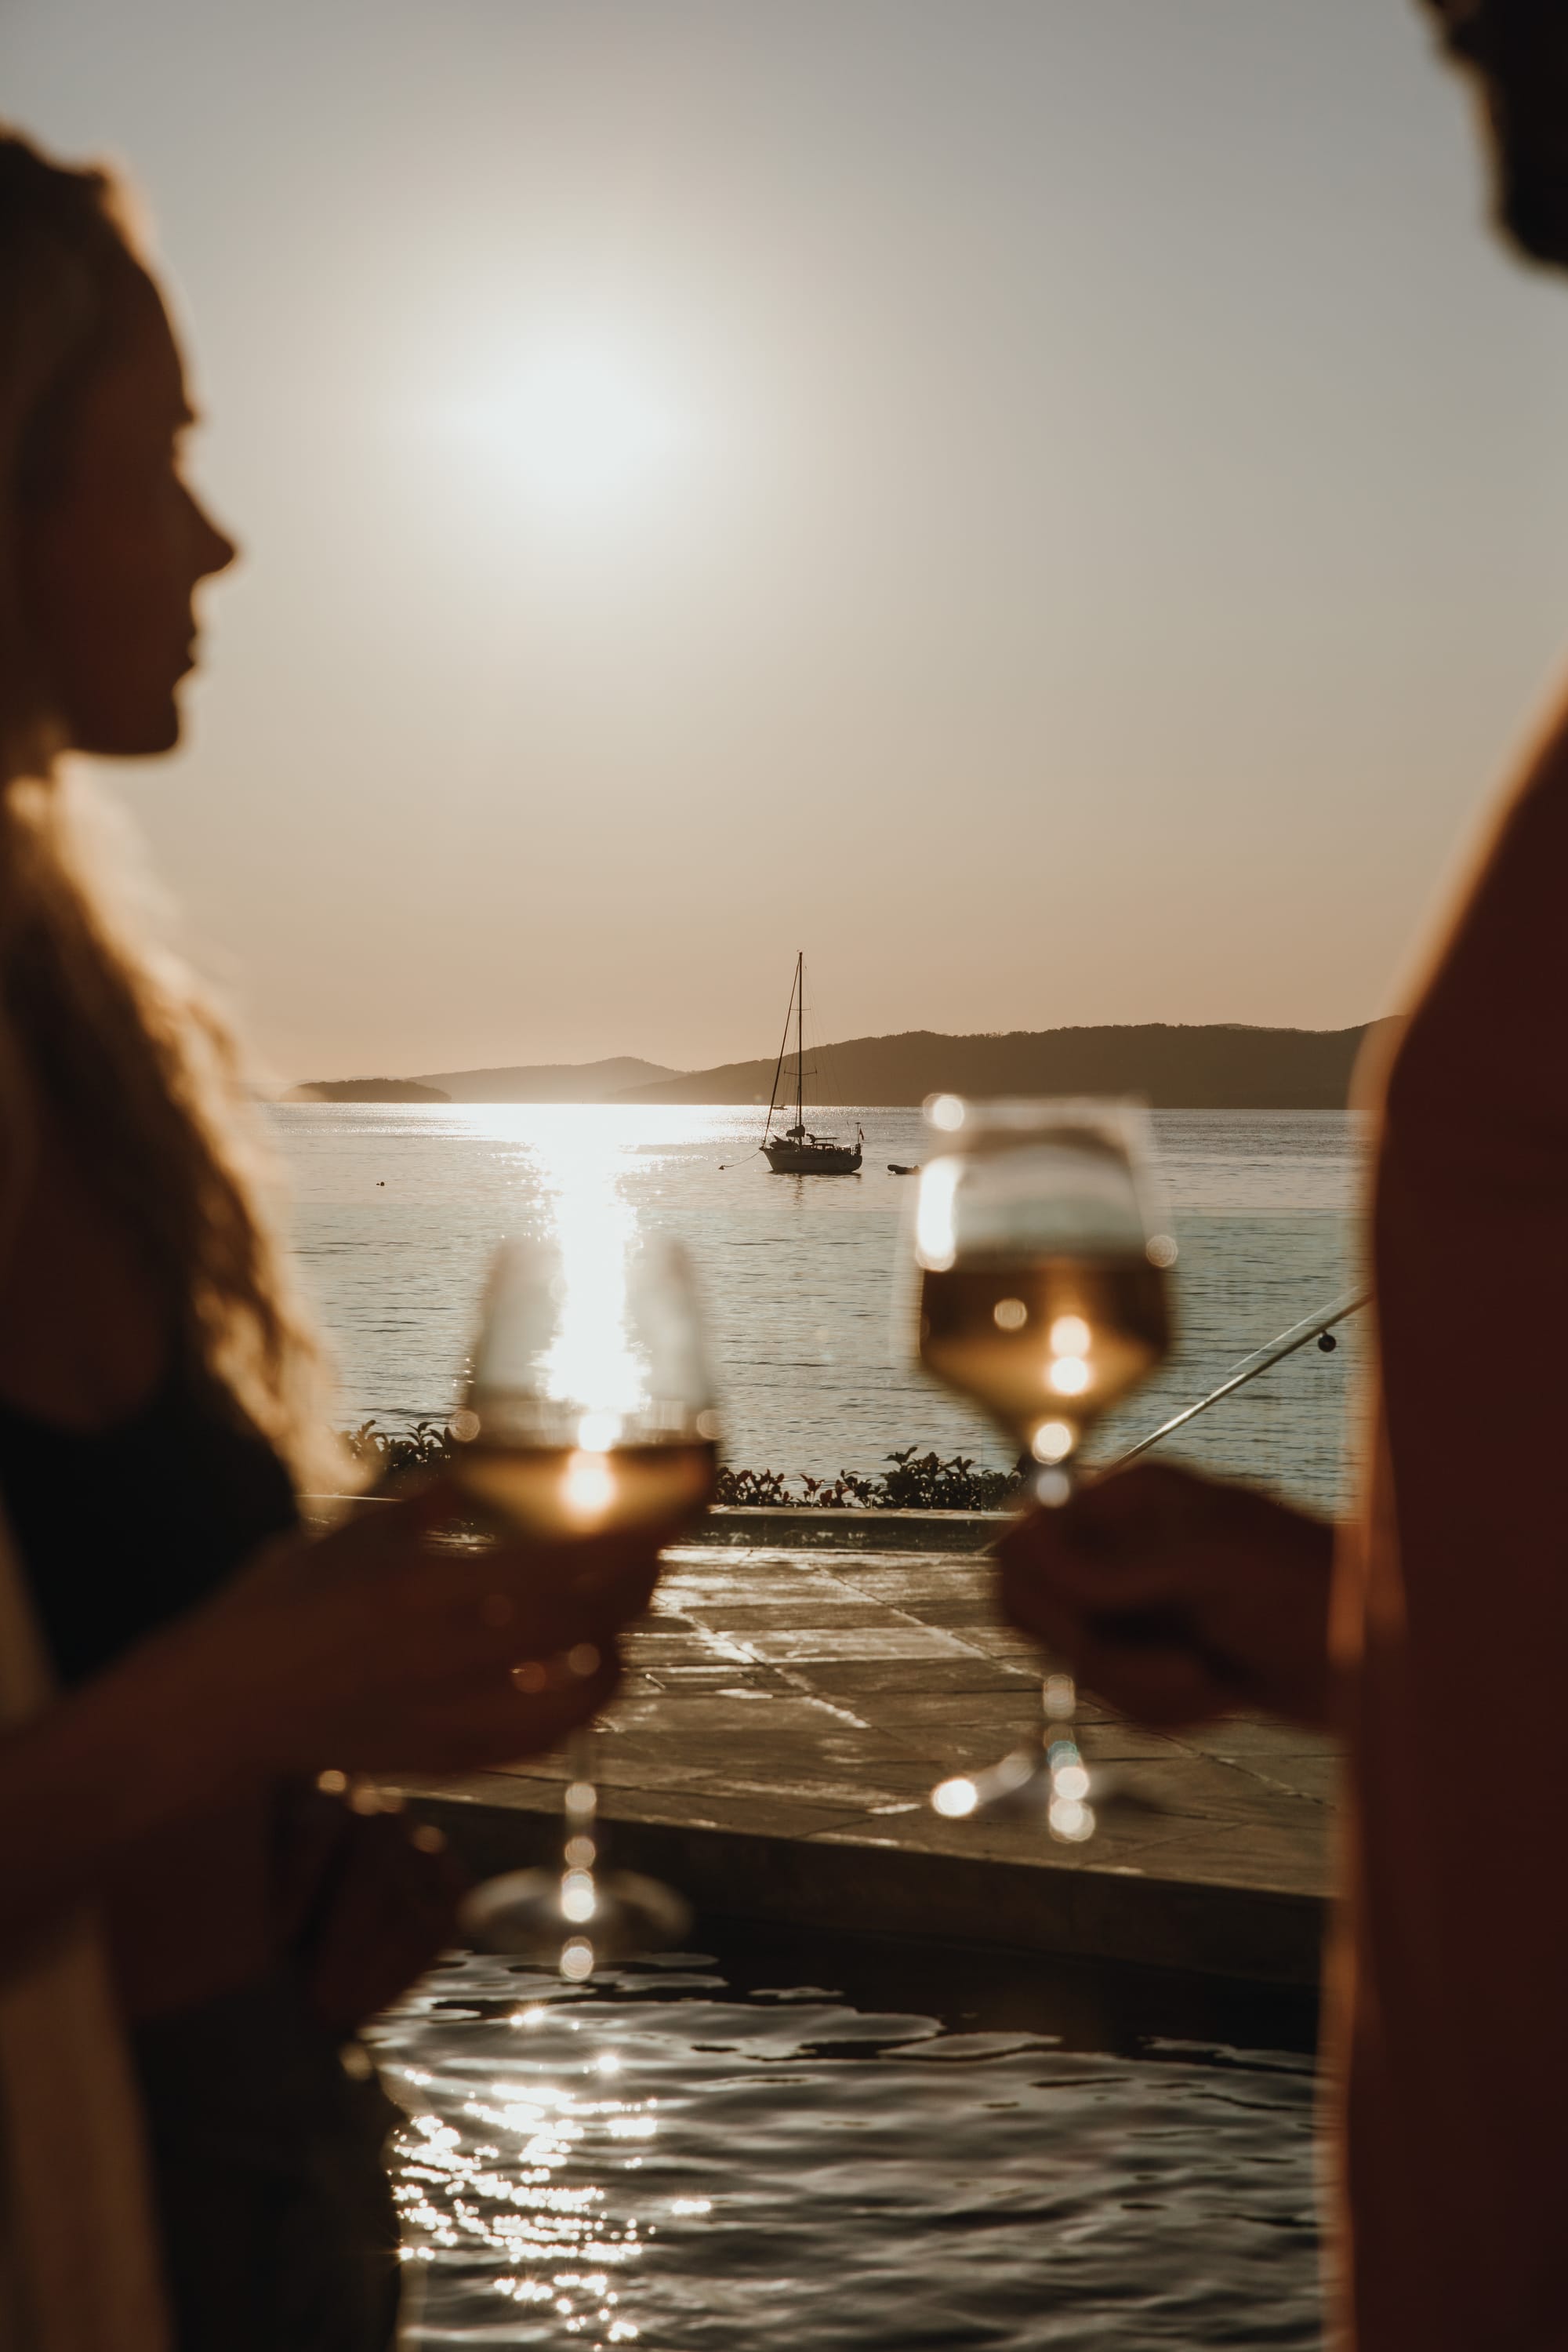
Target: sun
586,427
593,428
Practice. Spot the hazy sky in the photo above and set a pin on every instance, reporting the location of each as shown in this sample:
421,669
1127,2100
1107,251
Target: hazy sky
1057,506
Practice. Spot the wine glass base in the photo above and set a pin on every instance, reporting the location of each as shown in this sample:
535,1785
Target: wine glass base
1023,1787
549,1916
1018,1788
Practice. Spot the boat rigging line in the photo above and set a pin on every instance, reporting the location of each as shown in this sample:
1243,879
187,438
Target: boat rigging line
778,1066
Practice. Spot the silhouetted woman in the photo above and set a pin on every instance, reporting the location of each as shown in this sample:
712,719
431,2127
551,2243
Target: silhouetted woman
189,1934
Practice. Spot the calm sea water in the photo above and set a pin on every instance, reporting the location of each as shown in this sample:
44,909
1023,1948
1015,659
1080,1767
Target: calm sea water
397,1209
673,2159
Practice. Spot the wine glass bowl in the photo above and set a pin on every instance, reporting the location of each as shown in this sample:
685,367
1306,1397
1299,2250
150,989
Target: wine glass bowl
1043,1299
588,1412
588,1409
1042,1291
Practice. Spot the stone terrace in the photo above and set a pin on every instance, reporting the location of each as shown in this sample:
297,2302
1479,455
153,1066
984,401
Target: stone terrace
787,1709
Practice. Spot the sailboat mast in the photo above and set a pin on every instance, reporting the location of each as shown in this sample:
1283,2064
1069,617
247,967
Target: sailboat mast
800,1037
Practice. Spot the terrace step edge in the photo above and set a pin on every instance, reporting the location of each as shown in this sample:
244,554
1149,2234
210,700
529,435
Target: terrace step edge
745,1524
849,1530
865,1884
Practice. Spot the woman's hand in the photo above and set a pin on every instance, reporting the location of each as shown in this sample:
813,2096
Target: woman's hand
372,1648
364,1650
1176,1598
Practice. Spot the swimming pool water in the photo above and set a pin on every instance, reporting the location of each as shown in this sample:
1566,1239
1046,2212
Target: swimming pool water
694,2159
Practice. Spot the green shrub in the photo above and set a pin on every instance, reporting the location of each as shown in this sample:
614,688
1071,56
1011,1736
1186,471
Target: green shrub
916,1482
425,1446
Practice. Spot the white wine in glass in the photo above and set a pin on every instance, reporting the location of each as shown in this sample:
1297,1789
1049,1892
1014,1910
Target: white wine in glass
588,1412
556,1492
1043,1299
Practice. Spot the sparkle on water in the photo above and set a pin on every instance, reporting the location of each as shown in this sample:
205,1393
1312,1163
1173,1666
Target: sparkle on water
805,1280
665,2160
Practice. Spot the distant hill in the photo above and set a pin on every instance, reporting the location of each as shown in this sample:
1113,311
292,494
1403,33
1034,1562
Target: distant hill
1218,1067
551,1082
365,1090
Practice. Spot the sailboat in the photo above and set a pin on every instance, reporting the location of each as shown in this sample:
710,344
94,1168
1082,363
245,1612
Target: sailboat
794,1151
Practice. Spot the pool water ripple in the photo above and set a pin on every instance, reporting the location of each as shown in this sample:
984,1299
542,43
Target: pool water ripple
664,2160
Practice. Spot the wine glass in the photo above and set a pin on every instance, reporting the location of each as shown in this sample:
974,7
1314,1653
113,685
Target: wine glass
588,1412
1043,1298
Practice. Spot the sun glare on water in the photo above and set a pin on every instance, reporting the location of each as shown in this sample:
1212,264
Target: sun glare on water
593,1362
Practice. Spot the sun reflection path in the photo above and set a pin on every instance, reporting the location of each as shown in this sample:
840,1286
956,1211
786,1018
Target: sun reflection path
571,1197
592,1361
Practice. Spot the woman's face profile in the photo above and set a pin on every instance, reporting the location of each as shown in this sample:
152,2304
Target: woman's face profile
111,555
1516,52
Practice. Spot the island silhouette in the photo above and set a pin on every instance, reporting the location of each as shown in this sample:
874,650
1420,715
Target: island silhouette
365,1090
1215,1066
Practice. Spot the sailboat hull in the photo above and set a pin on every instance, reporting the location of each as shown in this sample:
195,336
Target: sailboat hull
788,1158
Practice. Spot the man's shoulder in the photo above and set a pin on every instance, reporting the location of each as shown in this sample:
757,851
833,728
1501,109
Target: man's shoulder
1485,1035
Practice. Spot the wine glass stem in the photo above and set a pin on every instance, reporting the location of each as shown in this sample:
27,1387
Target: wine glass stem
1058,1703
1068,1817
580,1804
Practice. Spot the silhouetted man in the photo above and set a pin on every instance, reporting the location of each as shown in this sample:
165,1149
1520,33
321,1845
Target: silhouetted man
1443,1657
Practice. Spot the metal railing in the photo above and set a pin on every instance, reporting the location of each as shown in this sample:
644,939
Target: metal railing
1312,1326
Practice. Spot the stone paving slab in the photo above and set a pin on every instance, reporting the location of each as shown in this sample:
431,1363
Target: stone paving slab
785,1712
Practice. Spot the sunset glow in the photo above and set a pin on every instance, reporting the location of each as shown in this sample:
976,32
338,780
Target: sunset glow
1049,484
